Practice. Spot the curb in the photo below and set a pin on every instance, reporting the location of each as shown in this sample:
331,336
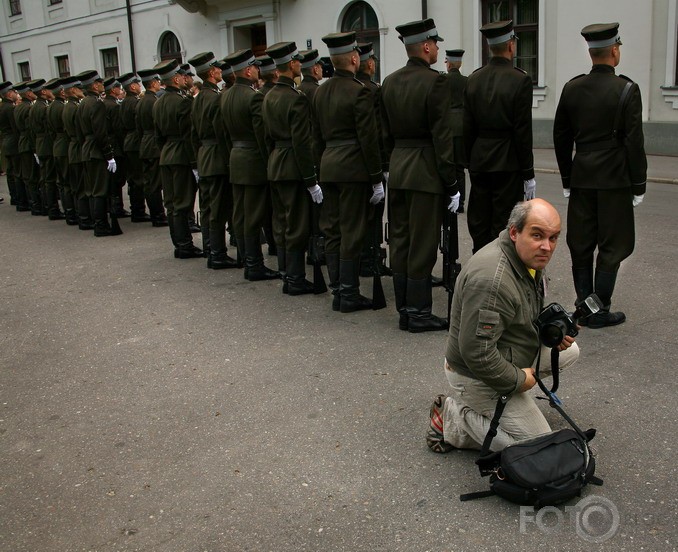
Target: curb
657,179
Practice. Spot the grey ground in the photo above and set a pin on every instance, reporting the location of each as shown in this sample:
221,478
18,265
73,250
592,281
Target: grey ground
150,404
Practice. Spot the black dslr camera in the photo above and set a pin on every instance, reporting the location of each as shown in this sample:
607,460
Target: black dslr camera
554,322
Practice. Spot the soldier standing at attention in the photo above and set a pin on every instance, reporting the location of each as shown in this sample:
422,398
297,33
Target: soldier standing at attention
498,136
172,121
287,126
602,114
130,146
149,153
10,146
418,139
210,139
97,151
186,88
242,118
30,171
55,121
453,60
116,132
347,152
312,72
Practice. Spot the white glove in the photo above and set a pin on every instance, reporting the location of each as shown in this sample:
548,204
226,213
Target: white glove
385,176
196,175
377,193
637,200
316,193
566,192
454,203
112,165
530,188
37,159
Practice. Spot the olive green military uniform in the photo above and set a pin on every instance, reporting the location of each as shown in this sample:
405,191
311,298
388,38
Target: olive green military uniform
44,143
30,171
131,141
309,86
116,132
498,139
10,149
457,87
76,166
149,155
55,120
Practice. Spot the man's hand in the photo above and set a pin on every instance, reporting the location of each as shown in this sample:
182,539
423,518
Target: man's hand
454,203
112,166
196,175
566,343
316,193
530,187
377,193
638,199
566,192
530,382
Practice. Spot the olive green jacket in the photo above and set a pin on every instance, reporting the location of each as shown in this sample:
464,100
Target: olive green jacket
208,133
172,121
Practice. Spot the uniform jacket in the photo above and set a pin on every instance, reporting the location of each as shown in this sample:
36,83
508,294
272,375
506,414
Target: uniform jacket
148,147
585,116
287,124
172,121
128,115
55,121
208,136
71,122
343,111
495,302
417,132
114,127
92,118
498,119
457,87
44,140
309,86
8,130
26,137
375,90
241,115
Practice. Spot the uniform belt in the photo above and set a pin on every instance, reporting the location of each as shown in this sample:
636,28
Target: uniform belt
281,144
413,143
339,143
598,146
173,139
209,142
252,144
489,133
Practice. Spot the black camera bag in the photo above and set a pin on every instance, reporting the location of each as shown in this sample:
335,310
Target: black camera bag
542,471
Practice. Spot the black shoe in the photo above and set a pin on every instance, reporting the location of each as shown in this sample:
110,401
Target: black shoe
355,303
604,319
160,223
222,263
194,228
141,218
302,287
431,323
121,213
22,208
261,273
403,321
191,252
436,282
57,216
103,232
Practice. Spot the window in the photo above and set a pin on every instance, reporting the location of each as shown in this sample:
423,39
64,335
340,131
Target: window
170,47
15,7
525,16
52,2
24,70
259,40
360,17
63,66
109,60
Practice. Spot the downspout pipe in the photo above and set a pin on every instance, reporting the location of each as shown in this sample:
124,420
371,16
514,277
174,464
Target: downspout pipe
424,9
130,32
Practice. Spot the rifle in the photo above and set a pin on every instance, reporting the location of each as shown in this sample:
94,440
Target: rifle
314,247
450,249
378,299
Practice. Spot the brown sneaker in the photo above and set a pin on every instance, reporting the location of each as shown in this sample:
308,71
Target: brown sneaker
435,438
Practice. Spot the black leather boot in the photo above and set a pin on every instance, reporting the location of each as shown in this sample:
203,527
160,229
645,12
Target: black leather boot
53,203
583,286
400,292
349,287
297,284
218,258
184,248
137,202
333,272
254,262
419,303
282,267
157,209
206,241
85,221
604,286
119,207
101,226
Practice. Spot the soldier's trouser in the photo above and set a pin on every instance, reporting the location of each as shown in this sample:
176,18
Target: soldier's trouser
14,174
152,186
344,217
249,209
135,186
49,176
602,219
415,219
117,183
491,200
178,188
205,205
291,215
460,157
30,174
97,178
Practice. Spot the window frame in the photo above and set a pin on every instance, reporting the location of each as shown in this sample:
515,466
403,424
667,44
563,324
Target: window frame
110,70
166,56
24,75
57,60
15,8
364,34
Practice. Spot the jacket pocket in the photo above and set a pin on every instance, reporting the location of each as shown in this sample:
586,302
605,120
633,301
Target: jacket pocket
487,323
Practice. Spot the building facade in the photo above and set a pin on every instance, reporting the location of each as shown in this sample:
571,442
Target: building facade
50,38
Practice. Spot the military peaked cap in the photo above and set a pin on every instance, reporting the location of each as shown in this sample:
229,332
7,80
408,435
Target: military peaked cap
600,35
147,75
110,83
498,32
203,61
167,69
5,87
366,51
36,85
340,43
266,64
70,82
21,87
283,52
418,31
309,58
88,77
454,55
185,69
54,86
128,78
241,59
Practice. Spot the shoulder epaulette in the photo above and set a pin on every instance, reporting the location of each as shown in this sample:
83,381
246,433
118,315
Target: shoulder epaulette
521,70
479,68
626,78
577,77
359,81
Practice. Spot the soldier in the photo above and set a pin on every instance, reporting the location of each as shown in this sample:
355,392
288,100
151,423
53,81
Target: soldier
498,136
149,153
287,114
242,118
312,71
55,122
97,152
10,146
112,98
187,90
602,114
227,74
418,136
374,236
453,61
347,152
212,161
131,140
76,167
30,170
172,121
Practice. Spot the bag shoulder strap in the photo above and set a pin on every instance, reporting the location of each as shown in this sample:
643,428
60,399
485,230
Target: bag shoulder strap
494,424
620,109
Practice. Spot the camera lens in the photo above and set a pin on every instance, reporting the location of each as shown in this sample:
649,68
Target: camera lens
552,334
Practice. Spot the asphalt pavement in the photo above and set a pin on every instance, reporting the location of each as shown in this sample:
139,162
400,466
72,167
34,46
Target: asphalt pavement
150,404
